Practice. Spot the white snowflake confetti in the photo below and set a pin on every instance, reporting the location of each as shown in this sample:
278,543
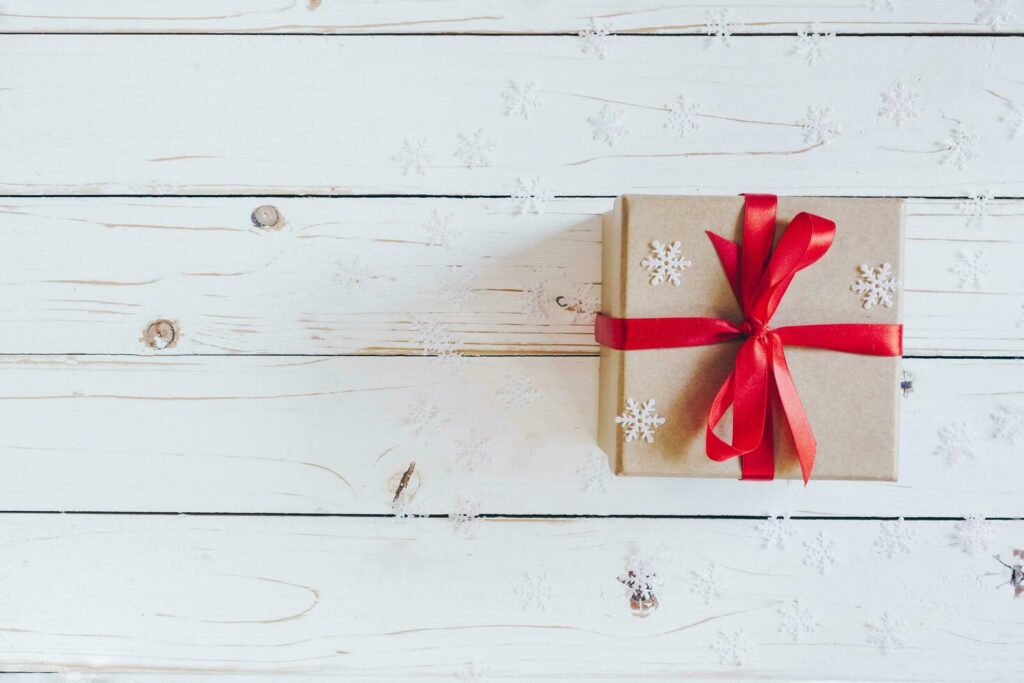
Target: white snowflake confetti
595,38
731,648
402,508
900,104
608,125
519,392
414,156
442,230
704,584
887,633
521,99
683,116
473,672
797,620
425,420
534,591
464,517
819,553
814,47
354,273
775,531
896,537
956,442
819,127
665,263
595,474
530,195
1014,118
584,303
995,13
456,285
959,147
718,27
534,302
475,149
1008,424
973,534
976,208
640,577
434,339
639,421
888,5
971,269
470,451
876,285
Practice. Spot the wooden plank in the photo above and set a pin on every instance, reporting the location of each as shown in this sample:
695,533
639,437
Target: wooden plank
380,598
336,435
234,115
494,16
114,266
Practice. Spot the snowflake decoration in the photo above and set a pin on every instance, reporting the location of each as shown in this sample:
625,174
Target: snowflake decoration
639,420
530,195
595,474
819,553
534,591
896,537
973,534
475,149
818,125
519,392
956,442
1008,425
470,451
900,104
441,229
775,530
876,285
976,208
584,303
888,5
814,47
705,584
887,633
640,578
414,156
456,285
718,28
959,147
521,99
435,340
971,269
534,302
464,517
472,673
353,273
995,13
425,420
595,38
797,620
731,648
665,263
608,125
1014,118
682,116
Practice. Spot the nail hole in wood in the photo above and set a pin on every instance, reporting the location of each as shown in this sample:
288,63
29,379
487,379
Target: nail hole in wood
268,217
161,334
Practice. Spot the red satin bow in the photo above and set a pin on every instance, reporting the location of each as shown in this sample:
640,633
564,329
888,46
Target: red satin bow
759,278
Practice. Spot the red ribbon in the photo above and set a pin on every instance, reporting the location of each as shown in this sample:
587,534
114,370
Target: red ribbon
759,278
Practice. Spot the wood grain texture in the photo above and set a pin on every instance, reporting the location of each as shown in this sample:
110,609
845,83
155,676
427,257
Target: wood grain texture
335,435
490,16
234,288
329,115
397,600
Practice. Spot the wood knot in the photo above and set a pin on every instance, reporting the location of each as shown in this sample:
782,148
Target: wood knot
161,334
267,216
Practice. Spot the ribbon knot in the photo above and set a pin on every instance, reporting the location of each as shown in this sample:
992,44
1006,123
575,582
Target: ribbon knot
759,277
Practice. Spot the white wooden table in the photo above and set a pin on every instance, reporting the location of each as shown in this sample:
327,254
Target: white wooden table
206,417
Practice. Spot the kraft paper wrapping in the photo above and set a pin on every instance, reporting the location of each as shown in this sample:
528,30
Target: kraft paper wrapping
852,401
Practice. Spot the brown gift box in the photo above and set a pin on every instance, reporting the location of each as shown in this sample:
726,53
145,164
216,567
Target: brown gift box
851,400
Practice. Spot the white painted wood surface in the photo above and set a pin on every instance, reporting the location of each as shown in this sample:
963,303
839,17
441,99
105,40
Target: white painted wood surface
235,288
330,115
494,16
399,600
